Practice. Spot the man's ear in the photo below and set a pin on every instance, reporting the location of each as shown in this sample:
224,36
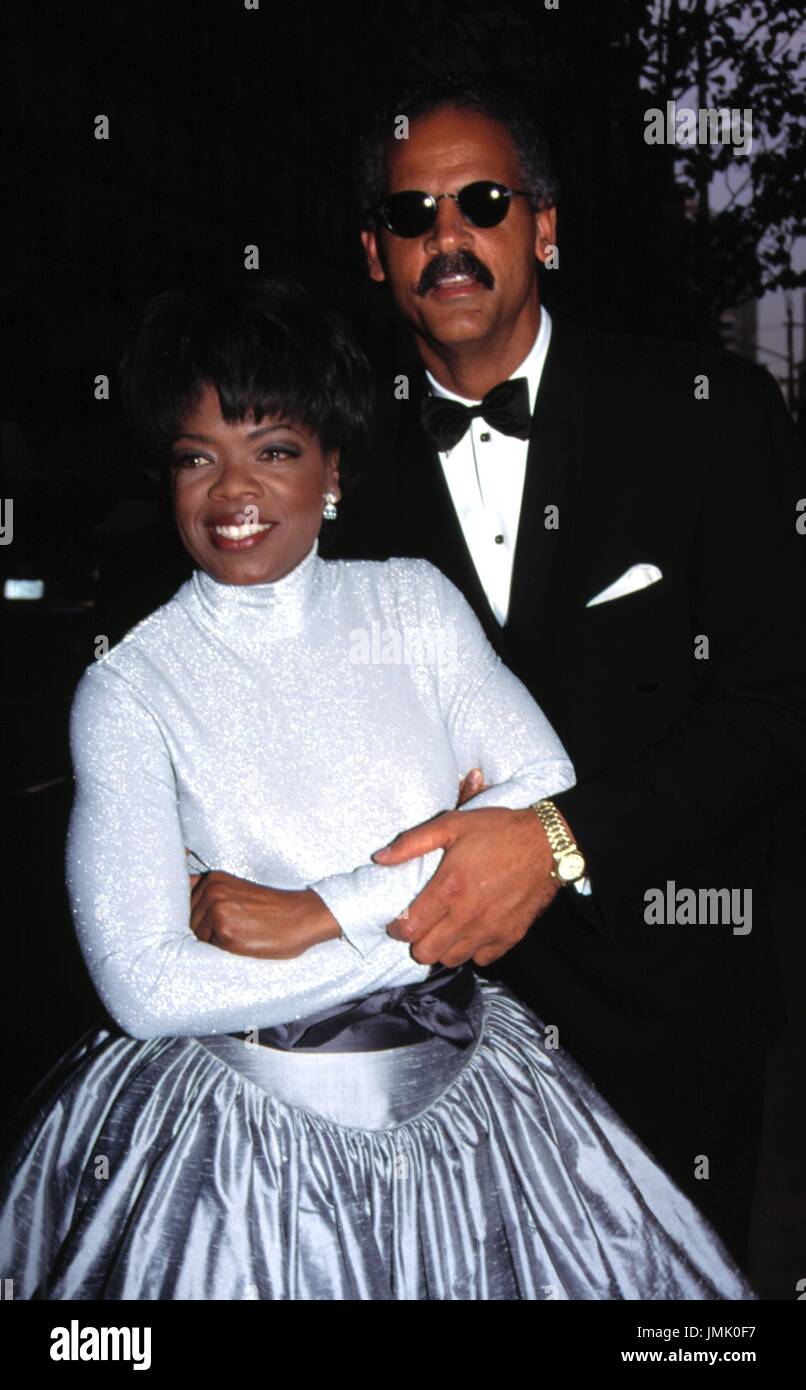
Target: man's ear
545,232
370,243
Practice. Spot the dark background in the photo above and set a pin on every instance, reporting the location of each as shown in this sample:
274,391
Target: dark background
231,127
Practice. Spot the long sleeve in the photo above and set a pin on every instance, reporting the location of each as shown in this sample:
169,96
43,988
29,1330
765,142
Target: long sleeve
492,722
129,894
739,749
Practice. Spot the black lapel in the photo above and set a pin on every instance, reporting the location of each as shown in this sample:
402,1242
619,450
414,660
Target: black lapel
430,526
542,554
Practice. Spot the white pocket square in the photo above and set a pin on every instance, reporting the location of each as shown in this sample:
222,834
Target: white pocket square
636,577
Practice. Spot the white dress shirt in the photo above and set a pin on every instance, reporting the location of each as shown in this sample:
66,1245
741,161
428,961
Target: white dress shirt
485,473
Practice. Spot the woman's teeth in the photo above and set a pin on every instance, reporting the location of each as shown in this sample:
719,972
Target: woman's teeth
239,533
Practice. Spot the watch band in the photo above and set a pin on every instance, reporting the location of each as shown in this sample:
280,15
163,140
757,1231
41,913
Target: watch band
569,863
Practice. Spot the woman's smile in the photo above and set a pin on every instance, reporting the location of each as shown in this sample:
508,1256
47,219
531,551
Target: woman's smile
236,534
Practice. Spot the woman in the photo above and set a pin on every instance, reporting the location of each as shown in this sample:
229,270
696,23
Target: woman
287,1105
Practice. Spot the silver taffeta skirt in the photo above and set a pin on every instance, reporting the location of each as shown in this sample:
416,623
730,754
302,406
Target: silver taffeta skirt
212,1168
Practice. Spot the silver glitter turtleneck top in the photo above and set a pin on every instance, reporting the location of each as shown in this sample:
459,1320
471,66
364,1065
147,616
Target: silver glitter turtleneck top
283,732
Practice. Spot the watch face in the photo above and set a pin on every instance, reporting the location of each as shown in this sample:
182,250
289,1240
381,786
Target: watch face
570,867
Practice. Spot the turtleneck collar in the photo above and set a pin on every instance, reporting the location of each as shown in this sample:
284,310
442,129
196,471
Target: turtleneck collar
254,612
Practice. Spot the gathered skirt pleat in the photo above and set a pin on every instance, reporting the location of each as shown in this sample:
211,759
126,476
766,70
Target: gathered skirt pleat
192,1168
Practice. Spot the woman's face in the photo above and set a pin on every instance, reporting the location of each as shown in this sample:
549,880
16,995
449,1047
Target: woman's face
248,497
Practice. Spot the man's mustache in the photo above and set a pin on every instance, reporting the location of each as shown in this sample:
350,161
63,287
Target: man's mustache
457,263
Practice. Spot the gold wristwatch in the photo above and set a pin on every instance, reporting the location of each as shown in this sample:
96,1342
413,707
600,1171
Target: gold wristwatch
569,864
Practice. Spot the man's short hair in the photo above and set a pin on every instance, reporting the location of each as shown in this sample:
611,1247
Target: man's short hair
482,95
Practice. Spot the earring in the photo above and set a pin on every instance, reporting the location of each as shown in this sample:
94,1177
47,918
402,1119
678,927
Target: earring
329,509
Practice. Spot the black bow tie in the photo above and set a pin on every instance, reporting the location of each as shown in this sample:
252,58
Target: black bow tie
505,408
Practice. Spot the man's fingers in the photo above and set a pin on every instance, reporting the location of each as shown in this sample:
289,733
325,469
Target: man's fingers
470,785
441,945
436,833
395,929
487,954
425,913
428,910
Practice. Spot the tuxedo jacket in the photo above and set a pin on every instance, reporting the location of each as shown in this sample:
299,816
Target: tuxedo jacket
684,458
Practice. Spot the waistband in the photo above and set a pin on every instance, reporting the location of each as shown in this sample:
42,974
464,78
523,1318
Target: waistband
400,1017
362,1090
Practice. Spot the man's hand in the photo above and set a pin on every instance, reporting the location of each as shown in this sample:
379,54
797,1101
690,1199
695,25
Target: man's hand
470,786
493,880
251,920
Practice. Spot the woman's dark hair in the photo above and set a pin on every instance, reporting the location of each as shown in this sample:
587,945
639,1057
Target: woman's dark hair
267,347
418,99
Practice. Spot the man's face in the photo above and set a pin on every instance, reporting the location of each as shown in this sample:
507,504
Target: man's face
438,279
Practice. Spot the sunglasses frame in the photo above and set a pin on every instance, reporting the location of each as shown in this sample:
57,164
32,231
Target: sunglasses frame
379,211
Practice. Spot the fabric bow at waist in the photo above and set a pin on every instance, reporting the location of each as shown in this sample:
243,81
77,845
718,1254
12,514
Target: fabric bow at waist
437,1007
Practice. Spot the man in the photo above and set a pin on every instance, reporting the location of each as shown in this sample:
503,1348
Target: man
623,521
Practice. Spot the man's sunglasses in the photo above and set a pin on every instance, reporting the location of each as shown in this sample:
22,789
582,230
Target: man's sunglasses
483,204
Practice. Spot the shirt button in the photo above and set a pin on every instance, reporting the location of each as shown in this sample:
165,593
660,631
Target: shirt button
484,437
499,540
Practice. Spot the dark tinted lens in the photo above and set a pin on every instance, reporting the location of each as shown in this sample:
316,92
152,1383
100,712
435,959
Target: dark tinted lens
484,204
408,214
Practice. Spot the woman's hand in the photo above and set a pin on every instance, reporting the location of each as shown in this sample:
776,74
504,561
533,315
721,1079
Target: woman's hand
249,919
